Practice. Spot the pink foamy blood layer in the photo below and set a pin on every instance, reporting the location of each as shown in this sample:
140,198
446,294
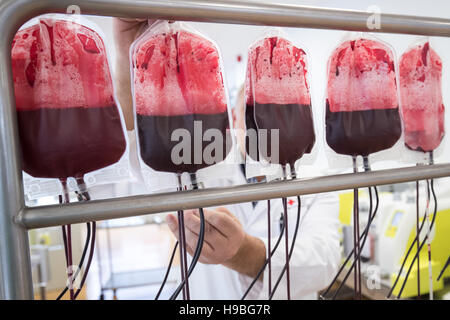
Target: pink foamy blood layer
361,77
60,64
177,74
421,97
276,73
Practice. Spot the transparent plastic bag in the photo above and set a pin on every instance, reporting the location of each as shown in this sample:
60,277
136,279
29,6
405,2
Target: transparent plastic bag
181,108
362,116
70,123
422,106
279,117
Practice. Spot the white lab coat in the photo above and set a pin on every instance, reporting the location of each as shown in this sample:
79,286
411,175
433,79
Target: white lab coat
315,258
314,261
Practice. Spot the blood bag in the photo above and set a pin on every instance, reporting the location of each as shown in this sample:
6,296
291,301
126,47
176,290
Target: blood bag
180,101
362,115
422,106
278,102
68,119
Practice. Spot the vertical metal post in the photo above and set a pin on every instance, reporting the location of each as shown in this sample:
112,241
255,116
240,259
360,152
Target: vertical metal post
15,267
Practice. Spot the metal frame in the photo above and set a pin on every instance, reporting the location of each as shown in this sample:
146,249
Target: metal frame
16,219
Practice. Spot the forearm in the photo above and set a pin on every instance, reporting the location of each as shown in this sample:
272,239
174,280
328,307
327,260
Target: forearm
125,32
123,90
250,257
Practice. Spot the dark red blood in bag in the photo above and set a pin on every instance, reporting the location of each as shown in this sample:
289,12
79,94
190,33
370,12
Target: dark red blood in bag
155,132
278,98
177,80
296,131
421,96
362,115
68,121
362,132
53,150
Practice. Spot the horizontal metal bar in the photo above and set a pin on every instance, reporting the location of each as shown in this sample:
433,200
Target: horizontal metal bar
45,216
243,12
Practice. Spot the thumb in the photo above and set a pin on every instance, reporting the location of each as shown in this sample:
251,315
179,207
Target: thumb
172,222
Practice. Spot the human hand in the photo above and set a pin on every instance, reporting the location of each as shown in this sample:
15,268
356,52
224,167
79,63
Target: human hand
225,241
224,234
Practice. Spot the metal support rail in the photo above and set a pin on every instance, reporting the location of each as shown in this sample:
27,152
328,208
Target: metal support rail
15,218
45,216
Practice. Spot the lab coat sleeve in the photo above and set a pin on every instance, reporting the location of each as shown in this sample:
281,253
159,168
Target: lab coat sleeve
316,255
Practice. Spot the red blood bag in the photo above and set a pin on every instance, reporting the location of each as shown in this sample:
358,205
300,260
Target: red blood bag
277,97
421,98
178,89
362,115
69,123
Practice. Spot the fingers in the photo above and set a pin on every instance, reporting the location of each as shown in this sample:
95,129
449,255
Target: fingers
206,254
172,222
223,220
228,213
194,218
191,239
222,230
212,235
